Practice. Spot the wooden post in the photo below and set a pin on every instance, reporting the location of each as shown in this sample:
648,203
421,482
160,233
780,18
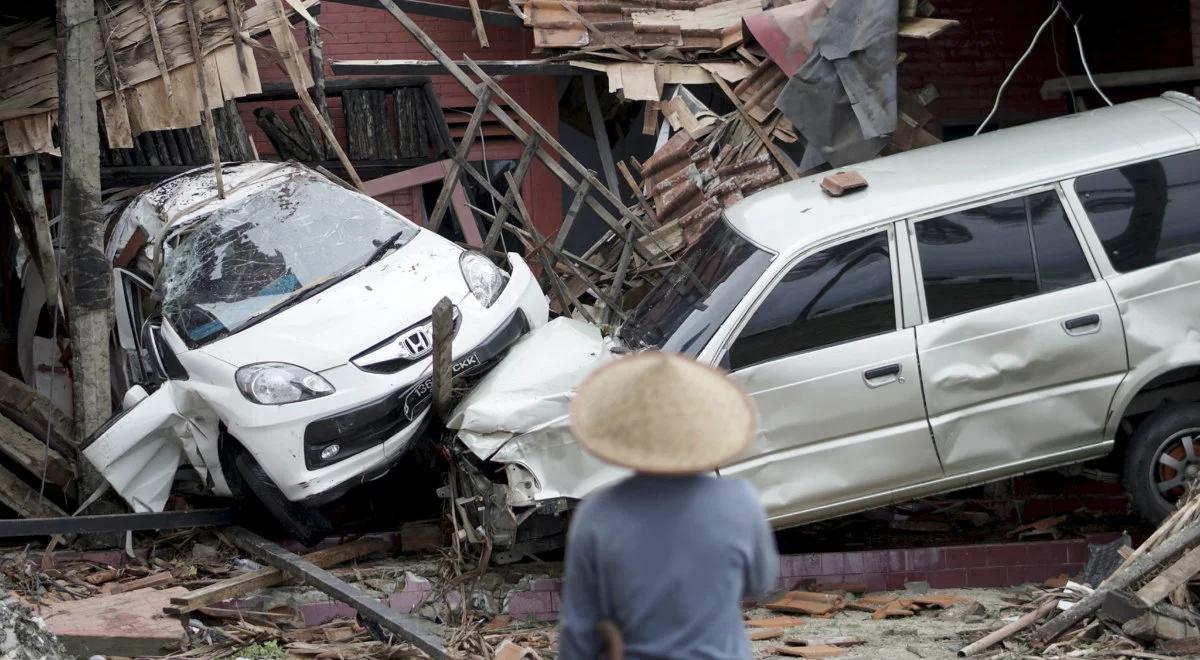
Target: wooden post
316,63
41,223
443,336
206,116
88,272
159,57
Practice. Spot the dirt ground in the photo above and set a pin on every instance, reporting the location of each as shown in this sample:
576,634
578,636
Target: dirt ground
931,635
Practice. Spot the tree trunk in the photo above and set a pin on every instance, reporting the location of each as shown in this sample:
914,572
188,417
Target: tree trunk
87,271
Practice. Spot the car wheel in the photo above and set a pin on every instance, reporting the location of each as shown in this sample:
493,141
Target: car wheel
308,525
1162,456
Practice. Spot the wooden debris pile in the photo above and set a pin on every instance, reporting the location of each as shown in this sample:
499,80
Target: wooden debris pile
1145,608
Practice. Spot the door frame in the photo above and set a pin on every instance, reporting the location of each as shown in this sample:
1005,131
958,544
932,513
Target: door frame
718,347
1064,200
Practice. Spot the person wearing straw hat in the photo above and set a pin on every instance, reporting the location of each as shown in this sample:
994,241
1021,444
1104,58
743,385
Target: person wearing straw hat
668,554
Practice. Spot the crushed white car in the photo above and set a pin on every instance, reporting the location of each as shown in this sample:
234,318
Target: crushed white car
278,341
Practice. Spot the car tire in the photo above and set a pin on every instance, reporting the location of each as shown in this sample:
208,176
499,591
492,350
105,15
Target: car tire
308,525
1160,443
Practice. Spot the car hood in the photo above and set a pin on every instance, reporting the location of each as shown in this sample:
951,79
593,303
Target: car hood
351,316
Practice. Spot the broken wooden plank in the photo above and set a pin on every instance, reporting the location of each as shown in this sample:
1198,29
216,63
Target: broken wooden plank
407,627
160,579
924,28
128,624
477,18
116,119
1179,573
780,157
23,499
268,577
826,641
531,148
239,41
41,225
25,450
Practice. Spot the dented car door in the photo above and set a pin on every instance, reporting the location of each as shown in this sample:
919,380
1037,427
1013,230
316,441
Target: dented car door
835,379
1022,348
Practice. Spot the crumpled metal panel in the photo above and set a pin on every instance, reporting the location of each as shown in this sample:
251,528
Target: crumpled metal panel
1160,306
842,99
518,413
815,446
1009,383
141,450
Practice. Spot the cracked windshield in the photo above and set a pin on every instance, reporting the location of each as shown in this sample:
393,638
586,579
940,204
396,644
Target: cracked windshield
248,260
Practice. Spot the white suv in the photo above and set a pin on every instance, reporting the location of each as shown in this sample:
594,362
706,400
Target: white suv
1016,301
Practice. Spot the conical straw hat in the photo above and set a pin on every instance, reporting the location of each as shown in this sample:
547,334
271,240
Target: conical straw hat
661,413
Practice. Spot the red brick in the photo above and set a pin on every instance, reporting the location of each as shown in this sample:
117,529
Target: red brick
951,578
1077,551
925,559
992,576
1049,552
965,557
1008,554
833,563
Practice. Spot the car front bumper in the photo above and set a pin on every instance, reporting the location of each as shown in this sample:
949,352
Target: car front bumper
375,417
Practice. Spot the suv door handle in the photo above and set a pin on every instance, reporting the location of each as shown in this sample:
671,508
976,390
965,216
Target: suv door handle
1082,325
880,376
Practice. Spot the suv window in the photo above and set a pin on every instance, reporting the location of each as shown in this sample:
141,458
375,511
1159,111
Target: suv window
837,295
998,252
1145,213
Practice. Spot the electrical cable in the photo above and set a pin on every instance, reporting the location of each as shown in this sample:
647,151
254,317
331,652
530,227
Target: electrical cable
1061,72
1083,59
1024,56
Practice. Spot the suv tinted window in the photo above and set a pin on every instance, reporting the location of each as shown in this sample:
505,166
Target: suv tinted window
1145,213
998,252
836,295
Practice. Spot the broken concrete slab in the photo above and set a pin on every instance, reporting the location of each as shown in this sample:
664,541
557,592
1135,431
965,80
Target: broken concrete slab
126,624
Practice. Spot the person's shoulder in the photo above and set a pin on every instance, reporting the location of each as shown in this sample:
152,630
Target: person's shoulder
600,500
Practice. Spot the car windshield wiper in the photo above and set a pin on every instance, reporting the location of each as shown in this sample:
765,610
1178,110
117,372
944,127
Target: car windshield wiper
384,247
299,296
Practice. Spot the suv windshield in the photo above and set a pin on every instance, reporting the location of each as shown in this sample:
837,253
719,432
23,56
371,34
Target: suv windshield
251,258
683,311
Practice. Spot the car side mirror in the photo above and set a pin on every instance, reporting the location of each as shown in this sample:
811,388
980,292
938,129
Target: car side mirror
133,396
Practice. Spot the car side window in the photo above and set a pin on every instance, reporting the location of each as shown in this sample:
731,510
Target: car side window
1145,213
998,252
836,295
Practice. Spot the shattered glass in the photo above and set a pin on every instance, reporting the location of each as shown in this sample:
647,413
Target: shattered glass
246,261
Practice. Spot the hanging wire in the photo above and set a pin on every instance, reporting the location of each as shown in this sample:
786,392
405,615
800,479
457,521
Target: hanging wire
1061,72
1024,56
1083,59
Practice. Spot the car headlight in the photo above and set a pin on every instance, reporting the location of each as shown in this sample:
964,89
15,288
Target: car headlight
483,278
273,383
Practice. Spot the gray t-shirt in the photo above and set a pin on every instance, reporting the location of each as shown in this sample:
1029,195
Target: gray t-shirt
668,559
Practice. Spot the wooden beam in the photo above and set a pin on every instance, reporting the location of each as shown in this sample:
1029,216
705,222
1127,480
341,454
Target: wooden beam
239,42
1056,87
23,499
118,131
440,10
600,132
286,42
435,68
269,577
206,116
316,64
1169,579
285,91
23,449
163,71
41,224
493,235
408,628
477,18
464,150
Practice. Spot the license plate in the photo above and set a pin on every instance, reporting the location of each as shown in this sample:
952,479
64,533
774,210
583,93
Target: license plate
419,396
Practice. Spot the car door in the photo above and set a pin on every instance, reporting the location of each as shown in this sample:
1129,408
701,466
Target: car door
835,379
1023,347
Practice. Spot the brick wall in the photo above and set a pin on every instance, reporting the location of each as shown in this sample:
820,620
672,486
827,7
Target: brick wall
356,33
968,64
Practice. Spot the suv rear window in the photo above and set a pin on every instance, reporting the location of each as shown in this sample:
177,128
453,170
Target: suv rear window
998,252
1145,213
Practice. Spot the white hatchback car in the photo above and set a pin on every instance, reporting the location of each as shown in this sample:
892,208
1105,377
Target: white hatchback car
290,354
